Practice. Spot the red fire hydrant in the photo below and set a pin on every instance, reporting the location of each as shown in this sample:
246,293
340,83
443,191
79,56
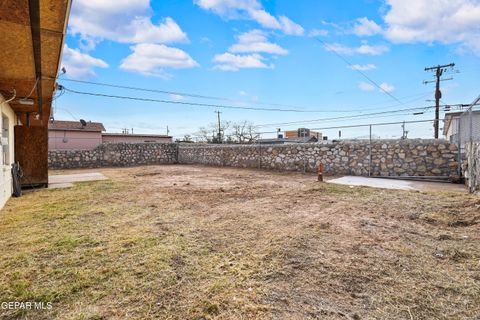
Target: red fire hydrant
320,172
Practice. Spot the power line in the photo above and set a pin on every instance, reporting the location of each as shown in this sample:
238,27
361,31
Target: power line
191,95
245,108
369,115
343,117
351,126
191,103
363,117
362,125
359,71
198,104
374,124
228,99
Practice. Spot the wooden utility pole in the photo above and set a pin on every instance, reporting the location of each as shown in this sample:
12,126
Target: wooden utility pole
439,70
219,133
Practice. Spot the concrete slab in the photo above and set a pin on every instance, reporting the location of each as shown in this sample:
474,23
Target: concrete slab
67,180
398,184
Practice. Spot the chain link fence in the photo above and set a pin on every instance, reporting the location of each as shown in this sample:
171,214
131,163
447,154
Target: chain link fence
463,128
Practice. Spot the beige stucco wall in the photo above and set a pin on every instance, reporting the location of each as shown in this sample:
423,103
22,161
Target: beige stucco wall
5,171
133,139
73,140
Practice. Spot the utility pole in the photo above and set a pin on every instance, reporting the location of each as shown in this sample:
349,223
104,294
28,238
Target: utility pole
219,133
439,70
404,132
168,131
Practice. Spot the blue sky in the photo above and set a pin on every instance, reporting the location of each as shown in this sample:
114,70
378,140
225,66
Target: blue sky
256,52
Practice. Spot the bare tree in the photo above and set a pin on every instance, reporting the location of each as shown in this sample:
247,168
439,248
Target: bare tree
244,132
209,133
187,138
205,134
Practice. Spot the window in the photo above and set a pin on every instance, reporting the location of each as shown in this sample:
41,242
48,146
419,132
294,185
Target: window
5,140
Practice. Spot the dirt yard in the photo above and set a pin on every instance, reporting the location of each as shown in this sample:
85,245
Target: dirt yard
190,242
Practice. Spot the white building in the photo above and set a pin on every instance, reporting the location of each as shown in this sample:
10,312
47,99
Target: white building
8,120
457,127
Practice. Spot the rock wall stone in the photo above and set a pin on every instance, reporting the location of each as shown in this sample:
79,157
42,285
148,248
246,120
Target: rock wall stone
388,157
114,155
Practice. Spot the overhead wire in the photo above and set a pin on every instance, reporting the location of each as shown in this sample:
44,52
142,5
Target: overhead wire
343,117
235,100
191,95
197,103
329,48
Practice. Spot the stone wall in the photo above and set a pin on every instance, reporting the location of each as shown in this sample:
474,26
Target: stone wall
388,157
113,155
472,174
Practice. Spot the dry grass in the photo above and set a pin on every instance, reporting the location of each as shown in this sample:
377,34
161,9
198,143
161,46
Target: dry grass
181,242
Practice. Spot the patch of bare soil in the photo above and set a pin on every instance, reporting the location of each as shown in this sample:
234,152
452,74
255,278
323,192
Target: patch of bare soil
192,242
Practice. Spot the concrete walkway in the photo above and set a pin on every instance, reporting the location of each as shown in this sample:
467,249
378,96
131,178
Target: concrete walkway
398,184
67,180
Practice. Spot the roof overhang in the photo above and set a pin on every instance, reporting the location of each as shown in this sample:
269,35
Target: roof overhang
33,33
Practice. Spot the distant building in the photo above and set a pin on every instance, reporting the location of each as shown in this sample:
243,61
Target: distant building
302,133
288,140
135,138
73,135
457,126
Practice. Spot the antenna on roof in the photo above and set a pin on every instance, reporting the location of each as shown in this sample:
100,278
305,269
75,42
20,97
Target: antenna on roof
83,122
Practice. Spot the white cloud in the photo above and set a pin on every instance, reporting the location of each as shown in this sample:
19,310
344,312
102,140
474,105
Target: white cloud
387,87
447,22
256,41
264,18
366,86
126,21
232,62
143,30
318,33
291,28
151,59
366,27
250,10
177,97
372,50
362,67
80,65
365,48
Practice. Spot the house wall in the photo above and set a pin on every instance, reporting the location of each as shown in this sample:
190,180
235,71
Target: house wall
73,140
133,139
6,187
